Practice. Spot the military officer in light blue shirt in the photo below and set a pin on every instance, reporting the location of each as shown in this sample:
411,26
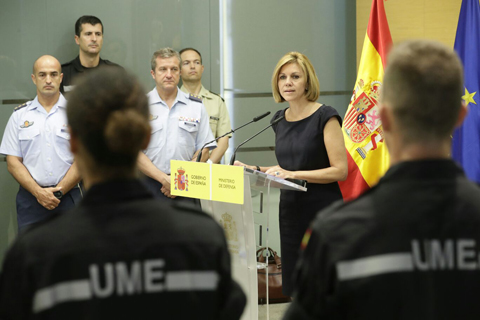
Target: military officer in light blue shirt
37,145
179,121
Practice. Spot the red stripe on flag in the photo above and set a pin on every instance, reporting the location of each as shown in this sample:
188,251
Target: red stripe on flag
378,31
350,118
355,185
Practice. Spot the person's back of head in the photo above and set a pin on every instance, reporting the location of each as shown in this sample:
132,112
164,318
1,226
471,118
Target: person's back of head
423,88
179,253
108,117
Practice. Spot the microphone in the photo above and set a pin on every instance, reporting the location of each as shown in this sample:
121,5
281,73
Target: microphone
260,117
199,156
232,160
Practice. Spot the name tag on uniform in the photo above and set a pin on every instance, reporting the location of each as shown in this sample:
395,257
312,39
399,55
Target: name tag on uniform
215,118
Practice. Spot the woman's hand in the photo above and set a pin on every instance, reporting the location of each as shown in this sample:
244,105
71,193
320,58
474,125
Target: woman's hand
277,171
241,164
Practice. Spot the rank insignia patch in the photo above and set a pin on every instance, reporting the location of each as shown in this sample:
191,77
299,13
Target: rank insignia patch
23,105
195,98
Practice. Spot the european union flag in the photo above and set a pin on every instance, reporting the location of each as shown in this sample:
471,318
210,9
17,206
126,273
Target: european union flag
466,139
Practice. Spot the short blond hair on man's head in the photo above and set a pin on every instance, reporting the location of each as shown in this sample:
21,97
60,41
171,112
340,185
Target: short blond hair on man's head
423,86
164,53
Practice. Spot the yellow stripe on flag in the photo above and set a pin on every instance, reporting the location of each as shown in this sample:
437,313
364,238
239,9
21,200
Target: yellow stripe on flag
367,148
370,68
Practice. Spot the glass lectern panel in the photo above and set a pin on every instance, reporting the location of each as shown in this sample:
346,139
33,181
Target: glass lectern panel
260,179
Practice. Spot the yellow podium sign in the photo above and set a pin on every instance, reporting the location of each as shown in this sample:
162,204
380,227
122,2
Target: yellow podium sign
227,183
206,181
190,179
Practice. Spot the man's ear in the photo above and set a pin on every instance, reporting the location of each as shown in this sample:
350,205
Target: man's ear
385,116
461,114
77,40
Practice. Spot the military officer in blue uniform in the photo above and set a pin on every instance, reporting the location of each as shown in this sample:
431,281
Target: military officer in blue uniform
179,121
37,145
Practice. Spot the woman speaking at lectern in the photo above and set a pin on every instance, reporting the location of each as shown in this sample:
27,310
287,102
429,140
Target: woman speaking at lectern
309,145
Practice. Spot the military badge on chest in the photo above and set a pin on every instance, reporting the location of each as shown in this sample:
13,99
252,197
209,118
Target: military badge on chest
26,124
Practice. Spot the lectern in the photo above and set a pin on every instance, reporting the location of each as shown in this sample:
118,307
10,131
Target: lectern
237,221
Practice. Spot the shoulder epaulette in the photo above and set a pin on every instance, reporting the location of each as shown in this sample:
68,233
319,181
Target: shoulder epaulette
23,105
194,97
217,95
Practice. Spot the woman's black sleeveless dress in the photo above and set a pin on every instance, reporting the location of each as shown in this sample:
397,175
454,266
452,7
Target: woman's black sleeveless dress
299,145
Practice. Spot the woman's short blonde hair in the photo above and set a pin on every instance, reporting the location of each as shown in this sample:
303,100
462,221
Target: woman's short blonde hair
313,86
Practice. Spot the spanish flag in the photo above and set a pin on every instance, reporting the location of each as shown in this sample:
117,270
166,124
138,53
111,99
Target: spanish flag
367,154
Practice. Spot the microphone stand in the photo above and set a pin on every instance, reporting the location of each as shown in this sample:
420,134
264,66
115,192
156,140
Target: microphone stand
232,159
199,156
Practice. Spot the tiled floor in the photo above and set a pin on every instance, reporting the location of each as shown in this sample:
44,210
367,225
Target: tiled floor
276,311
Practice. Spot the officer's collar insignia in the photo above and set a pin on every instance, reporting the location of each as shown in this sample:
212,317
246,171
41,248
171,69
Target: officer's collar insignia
194,97
152,117
26,124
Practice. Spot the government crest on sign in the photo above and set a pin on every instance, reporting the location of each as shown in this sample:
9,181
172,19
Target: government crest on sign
181,180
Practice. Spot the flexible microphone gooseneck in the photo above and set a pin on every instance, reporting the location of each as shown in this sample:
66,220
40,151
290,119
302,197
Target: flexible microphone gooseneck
232,159
199,156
